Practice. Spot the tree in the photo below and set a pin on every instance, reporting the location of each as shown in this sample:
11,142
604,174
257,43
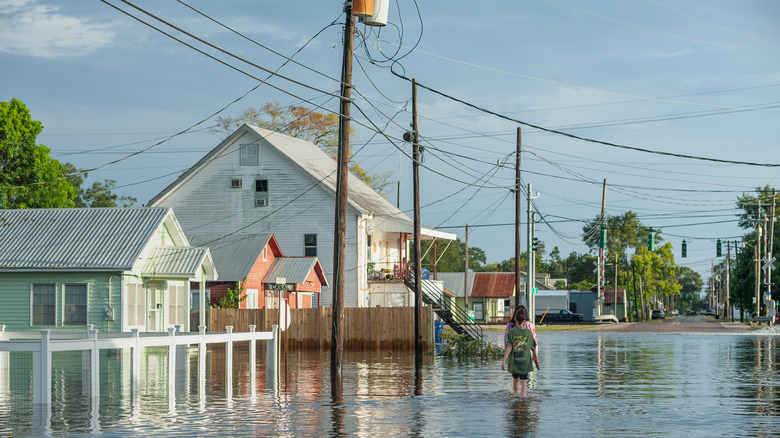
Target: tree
623,232
744,278
658,273
231,298
29,178
303,123
99,194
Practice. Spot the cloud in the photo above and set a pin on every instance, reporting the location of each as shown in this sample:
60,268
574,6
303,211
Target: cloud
29,28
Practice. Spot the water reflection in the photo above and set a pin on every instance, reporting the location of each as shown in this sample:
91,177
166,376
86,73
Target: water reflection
611,385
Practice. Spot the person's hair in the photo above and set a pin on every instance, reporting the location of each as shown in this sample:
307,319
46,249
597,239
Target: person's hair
520,316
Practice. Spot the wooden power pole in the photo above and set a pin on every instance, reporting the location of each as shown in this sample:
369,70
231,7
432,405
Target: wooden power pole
340,233
418,340
518,202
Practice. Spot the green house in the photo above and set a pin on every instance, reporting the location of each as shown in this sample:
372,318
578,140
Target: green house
114,268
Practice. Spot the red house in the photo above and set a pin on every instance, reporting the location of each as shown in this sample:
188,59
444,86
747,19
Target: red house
256,264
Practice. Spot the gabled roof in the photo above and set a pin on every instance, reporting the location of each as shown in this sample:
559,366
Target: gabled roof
493,285
313,161
322,169
79,238
295,270
235,254
178,261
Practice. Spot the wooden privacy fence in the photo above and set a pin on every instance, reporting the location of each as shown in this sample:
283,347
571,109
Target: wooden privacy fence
377,327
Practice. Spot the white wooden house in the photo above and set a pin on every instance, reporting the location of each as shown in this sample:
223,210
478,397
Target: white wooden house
114,268
257,181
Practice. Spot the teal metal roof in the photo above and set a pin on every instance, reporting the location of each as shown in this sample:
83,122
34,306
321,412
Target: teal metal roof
76,238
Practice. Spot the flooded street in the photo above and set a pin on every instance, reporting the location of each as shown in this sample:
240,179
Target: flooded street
591,384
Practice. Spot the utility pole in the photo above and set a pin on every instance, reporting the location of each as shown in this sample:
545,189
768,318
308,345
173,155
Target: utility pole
517,222
466,277
728,279
340,233
418,340
531,258
771,310
600,267
756,262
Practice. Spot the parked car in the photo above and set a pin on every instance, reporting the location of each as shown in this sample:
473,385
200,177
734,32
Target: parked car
690,313
561,316
658,314
674,312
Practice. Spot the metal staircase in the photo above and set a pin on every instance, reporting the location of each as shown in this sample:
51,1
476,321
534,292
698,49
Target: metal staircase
451,314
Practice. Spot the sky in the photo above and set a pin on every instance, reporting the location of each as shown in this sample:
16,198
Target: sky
684,77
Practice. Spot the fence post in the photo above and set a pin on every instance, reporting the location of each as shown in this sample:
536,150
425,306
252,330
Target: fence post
202,362
135,364
229,362
94,366
272,358
42,371
253,359
5,370
171,361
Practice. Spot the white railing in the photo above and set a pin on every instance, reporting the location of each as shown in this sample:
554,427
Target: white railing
43,345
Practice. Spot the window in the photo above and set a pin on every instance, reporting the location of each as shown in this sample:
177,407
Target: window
270,299
196,298
249,155
261,193
310,245
44,304
235,183
75,305
177,305
136,305
265,253
251,298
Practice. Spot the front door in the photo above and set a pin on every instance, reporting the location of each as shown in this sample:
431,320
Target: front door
479,311
154,314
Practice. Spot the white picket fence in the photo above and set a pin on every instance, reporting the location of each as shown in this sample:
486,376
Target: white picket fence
42,346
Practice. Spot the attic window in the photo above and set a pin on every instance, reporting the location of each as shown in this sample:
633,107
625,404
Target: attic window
249,155
235,183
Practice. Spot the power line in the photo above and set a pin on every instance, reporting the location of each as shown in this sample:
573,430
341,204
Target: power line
576,137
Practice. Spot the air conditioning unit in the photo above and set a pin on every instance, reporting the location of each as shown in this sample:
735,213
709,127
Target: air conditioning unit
261,203
235,183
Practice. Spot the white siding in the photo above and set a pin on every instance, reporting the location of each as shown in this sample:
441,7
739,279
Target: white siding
206,203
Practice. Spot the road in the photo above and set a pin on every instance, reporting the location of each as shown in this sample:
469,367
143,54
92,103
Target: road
679,324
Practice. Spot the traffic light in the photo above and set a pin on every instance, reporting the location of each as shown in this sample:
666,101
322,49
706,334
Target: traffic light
775,295
684,249
651,240
534,243
718,248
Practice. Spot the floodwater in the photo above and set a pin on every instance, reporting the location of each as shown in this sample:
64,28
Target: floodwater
590,384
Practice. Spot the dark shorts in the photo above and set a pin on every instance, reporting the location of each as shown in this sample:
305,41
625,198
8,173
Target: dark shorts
520,376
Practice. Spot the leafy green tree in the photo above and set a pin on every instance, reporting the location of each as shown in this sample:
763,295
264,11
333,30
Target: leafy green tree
624,232
99,194
29,178
690,282
303,123
658,272
231,298
744,277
